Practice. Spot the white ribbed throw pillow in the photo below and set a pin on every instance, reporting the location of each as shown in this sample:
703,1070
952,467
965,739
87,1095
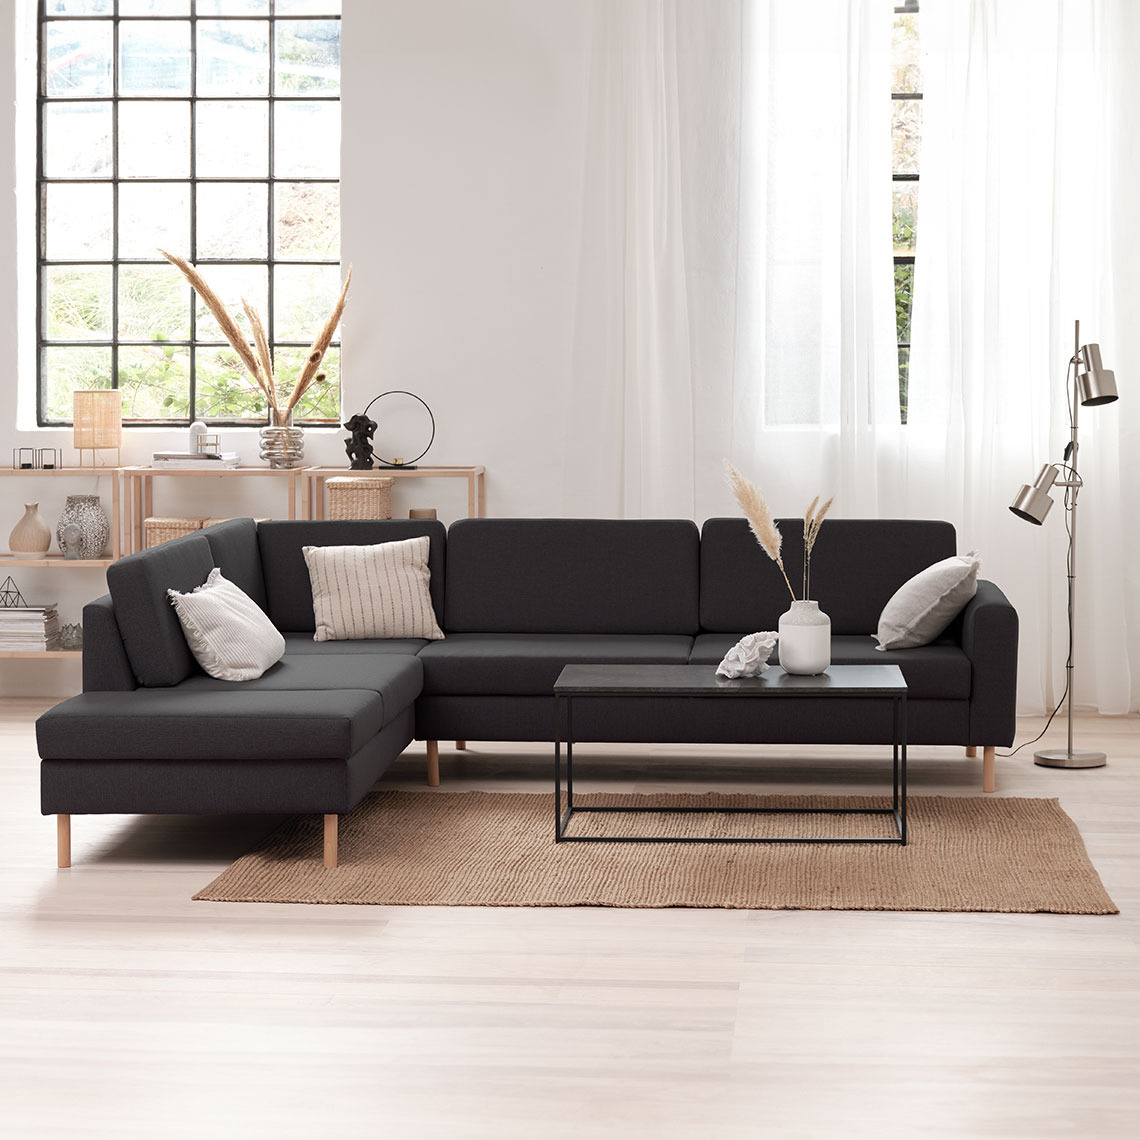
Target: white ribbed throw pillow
227,631
372,591
920,609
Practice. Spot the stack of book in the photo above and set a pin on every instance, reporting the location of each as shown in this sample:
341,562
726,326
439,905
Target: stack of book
29,627
193,460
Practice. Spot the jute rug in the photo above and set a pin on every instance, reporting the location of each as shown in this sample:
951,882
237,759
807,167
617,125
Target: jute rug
497,849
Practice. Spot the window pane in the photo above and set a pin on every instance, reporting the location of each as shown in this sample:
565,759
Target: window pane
233,7
225,390
77,140
303,297
65,370
321,401
906,134
155,382
77,302
905,195
905,74
153,216
77,221
78,58
904,382
78,7
154,57
307,59
232,139
306,138
233,57
306,221
154,140
154,7
233,220
308,7
154,303
231,283
904,296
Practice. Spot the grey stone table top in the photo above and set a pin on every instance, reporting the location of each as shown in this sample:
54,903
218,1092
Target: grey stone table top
702,681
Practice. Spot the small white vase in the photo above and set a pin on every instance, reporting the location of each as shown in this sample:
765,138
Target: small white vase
805,639
31,536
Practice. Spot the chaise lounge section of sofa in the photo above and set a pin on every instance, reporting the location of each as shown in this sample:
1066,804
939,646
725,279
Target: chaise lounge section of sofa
518,600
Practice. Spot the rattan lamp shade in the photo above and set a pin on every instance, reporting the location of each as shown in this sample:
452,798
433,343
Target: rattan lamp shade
98,417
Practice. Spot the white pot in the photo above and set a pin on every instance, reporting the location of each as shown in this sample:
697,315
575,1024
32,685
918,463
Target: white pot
805,639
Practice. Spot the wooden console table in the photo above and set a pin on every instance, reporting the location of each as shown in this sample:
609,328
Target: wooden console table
140,491
475,476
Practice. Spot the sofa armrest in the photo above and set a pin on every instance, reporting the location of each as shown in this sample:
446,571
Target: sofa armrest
989,640
105,664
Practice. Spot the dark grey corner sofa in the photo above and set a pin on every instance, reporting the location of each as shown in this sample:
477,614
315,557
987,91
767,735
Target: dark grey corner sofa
518,599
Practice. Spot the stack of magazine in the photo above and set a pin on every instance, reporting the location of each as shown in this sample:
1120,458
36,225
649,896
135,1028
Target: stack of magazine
29,627
194,460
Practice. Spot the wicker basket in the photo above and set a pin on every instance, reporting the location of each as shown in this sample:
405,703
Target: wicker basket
160,529
360,498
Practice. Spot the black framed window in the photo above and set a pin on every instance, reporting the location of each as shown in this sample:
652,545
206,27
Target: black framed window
906,136
209,128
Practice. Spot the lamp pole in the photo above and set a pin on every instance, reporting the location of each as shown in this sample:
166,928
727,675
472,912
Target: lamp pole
1056,757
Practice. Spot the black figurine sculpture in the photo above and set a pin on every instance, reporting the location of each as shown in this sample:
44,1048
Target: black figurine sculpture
359,445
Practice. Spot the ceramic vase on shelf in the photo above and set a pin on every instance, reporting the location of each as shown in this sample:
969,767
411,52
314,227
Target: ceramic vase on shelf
805,639
31,536
85,512
282,444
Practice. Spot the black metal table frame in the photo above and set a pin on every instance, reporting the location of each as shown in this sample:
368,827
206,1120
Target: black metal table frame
563,717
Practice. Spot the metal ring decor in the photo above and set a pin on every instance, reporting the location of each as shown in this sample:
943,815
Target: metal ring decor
403,392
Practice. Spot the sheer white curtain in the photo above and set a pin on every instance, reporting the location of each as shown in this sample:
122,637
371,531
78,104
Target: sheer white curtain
736,288
1024,133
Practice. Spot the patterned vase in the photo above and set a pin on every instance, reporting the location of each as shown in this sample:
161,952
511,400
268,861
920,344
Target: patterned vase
31,536
86,512
282,444
805,639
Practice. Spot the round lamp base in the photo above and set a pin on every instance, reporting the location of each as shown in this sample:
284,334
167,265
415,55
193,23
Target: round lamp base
1063,758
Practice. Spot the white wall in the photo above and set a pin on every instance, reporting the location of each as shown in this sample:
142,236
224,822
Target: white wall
463,132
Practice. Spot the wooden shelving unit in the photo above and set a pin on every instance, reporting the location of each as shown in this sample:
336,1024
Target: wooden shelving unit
57,561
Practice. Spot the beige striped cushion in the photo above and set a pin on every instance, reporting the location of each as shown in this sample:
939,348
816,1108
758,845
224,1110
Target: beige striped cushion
372,591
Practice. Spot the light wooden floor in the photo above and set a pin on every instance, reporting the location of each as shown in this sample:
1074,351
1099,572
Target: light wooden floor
126,1010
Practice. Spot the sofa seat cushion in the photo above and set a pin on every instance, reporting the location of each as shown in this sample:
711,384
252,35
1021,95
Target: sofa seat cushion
501,664
396,678
303,643
932,672
201,724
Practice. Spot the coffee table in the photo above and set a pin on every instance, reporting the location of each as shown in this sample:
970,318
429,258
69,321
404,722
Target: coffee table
700,682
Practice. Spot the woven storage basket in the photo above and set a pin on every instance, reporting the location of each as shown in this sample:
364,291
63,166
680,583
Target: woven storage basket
360,498
162,529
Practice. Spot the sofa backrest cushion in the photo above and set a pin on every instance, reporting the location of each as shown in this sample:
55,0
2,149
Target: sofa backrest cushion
233,544
572,576
288,591
857,564
147,622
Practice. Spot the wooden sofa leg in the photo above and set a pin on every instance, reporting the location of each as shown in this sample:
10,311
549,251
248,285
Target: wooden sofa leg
331,822
433,763
461,746
972,751
63,840
988,783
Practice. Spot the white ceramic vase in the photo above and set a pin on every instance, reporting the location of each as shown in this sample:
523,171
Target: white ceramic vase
805,639
31,536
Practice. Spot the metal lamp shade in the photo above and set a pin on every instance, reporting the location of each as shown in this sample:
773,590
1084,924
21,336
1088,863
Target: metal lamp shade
1032,503
1095,383
98,420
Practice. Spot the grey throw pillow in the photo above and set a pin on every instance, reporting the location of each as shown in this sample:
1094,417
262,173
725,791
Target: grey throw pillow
921,609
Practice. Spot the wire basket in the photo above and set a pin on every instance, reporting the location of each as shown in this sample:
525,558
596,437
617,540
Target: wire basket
360,498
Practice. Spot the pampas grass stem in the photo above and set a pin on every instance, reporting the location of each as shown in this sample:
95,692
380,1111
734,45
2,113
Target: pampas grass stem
759,518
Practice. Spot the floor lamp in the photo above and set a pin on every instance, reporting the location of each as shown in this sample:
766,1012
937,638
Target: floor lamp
1092,384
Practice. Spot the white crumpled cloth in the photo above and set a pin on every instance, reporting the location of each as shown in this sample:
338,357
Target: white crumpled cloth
749,656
